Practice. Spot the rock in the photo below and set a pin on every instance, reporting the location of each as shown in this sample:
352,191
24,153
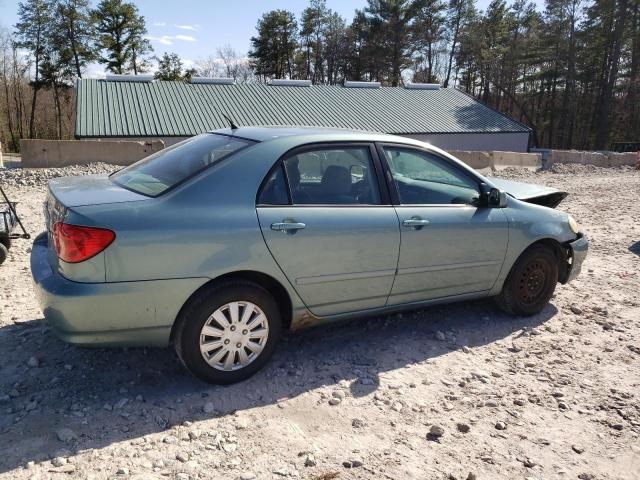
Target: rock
66,435
247,476
242,423
33,362
501,426
520,401
68,468
575,309
122,471
170,439
334,401
310,461
440,336
617,426
352,464
563,405
436,431
182,457
338,394
466,349
472,476
31,464
463,427
491,403
208,407
397,407
577,448
527,462
357,423
58,461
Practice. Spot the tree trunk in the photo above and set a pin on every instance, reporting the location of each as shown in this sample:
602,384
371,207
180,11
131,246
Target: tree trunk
452,52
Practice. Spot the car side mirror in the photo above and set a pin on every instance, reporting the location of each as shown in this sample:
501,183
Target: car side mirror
493,197
497,198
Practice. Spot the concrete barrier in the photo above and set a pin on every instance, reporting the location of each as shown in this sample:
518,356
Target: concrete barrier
574,156
501,160
620,159
60,153
498,160
477,160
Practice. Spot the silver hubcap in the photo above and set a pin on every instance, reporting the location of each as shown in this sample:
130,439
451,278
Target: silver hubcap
234,336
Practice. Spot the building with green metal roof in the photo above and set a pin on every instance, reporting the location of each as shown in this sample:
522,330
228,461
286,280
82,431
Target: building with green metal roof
138,107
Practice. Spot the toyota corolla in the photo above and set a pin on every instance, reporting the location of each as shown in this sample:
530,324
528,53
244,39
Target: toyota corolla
218,244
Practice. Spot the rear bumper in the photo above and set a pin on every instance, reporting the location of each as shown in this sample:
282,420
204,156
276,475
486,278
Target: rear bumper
578,251
107,314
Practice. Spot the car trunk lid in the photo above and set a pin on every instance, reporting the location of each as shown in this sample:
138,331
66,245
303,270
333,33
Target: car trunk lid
90,190
531,193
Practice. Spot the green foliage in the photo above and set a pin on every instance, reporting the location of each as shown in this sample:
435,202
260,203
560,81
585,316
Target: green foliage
120,37
273,49
169,67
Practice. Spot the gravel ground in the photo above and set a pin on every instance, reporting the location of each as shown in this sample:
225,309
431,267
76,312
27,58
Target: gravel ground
452,392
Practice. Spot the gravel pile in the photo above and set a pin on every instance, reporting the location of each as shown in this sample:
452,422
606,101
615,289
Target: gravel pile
37,177
514,173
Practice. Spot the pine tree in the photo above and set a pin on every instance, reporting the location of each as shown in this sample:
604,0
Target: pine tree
75,33
169,67
273,49
120,37
428,36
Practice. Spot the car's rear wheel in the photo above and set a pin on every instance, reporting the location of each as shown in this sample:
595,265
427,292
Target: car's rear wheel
531,282
228,332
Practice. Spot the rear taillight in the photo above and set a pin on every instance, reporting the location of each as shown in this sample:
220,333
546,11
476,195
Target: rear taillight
75,243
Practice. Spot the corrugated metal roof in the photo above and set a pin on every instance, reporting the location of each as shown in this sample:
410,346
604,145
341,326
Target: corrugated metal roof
166,109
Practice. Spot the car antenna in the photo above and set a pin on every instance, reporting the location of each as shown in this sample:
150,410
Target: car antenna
231,122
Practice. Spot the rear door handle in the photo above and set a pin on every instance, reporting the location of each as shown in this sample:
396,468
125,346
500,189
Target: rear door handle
287,226
415,223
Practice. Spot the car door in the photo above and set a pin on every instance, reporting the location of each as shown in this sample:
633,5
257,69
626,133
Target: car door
450,245
328,223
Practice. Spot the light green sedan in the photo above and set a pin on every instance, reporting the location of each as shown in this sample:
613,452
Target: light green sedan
219,243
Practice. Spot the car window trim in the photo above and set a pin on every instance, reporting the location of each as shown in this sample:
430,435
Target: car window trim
385,199
391,184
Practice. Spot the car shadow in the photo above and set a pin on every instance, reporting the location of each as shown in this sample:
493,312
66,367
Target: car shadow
112,395
635,248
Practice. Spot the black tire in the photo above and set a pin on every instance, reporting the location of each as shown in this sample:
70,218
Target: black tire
199,310
4,253
6,241
530,283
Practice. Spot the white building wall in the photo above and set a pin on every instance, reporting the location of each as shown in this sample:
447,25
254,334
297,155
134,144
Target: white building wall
504,142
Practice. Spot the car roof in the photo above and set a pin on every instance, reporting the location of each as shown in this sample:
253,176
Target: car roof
266,133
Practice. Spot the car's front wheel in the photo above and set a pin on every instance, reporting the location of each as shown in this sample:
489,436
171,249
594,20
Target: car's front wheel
530,283
228,332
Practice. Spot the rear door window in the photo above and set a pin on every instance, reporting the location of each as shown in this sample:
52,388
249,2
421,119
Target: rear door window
330,176
165,169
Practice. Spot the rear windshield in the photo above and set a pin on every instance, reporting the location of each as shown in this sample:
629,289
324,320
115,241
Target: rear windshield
165,169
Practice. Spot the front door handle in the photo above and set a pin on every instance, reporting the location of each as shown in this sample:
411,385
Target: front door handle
287,226
415,222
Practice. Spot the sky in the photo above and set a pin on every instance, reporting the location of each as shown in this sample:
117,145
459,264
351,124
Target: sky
194,29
